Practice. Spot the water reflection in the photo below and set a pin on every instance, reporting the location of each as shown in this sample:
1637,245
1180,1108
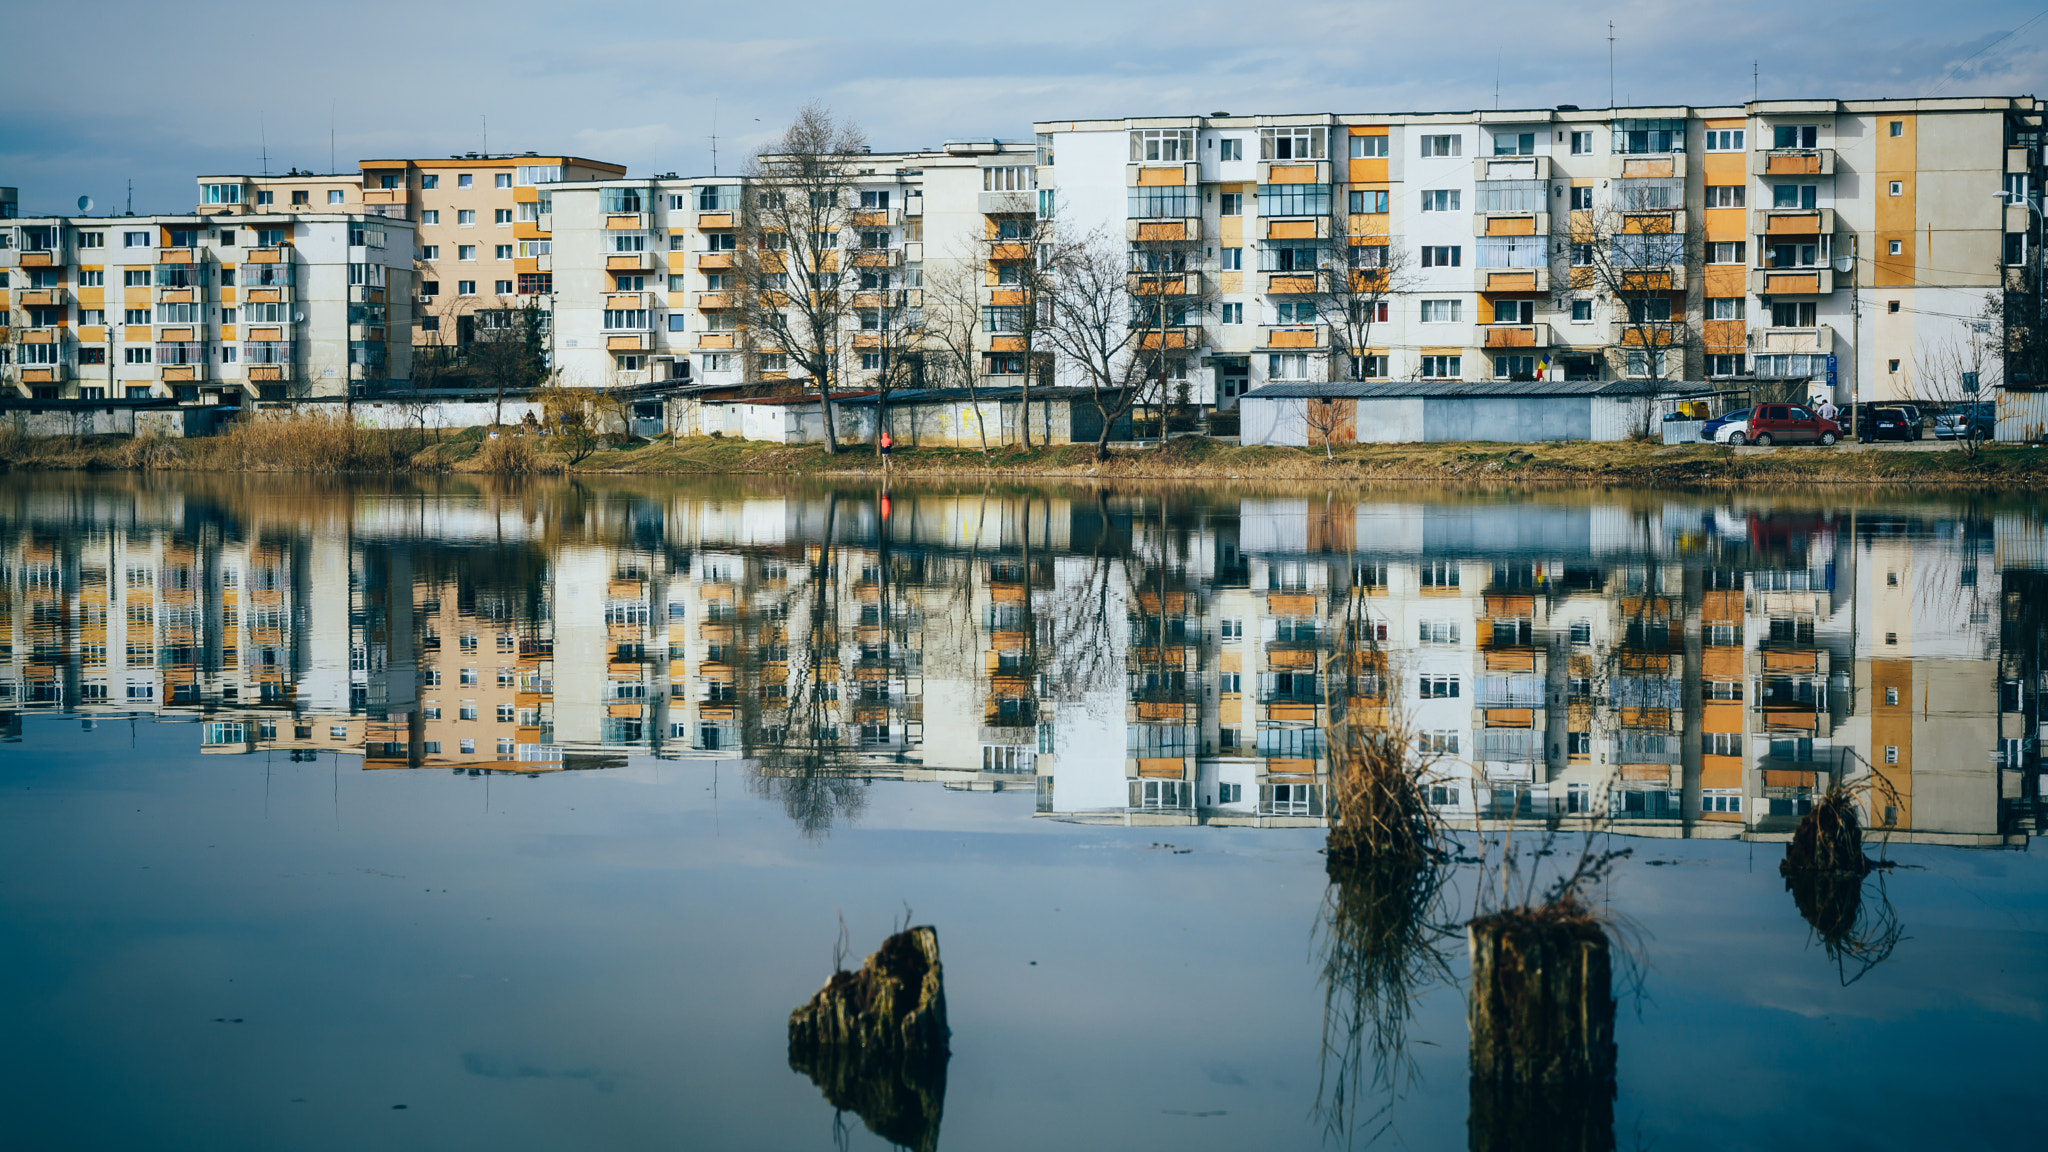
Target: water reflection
1688,666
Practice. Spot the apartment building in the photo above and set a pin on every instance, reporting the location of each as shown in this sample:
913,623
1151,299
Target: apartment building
647,270
481,223
203,309
1853,244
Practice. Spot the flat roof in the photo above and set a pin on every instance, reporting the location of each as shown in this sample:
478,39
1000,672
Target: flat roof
1473,390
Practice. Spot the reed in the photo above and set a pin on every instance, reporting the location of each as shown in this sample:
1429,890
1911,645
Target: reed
511,455
305,441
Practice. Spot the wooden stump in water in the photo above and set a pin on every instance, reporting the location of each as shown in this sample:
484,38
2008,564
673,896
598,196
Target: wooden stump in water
1829,838
1540,1118
1542,1002
875,1041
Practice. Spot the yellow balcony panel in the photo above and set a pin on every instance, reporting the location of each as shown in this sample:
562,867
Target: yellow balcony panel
527,230
1518,336
137,334
97,334
629,262
525,264
1291,711
42,375
1172,338
716,340
1160,230
174,256
526,194
1649,168
386,196
1647,773
1510,225
637,342
1162,177
175,335
625,222
1724,336
264,256
266,335
1792,283
267,373
1294,338
1009,252
265,295
42,298
1291,658
867,341
1511,281
1290,604
1291,174
1302,769
715,261
185,373
178,296
1006,344
716,300
1292,229
1510,718
714,220
866,220
38,260
1161,768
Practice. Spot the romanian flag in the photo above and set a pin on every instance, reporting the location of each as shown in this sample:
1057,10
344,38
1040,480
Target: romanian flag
1542,366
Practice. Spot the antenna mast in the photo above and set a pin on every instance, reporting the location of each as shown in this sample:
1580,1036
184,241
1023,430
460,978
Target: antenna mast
263,138
714,135
1610,63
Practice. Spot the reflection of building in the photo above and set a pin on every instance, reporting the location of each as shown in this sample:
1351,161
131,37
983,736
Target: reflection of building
1672,669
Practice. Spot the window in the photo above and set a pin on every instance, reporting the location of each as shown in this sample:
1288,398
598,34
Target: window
1514,367
465,287
1578,743
1233,313
1441,367
466,217
1437,687
1442,146
1437,631
1726,252
502,180
1014,178
1295,312
1724,140
1582,143
463,180
334,195
1727,308
1582,198
1232,204
1897,248
504,287
1728,195
1367,200
135,278
1230,148
1294,199
1795,136
1891,753
1442,311
2015,248
1649,136
135,316
1898,188
430,288
1897,128
625,318
92,278
1514,143
1440,200
1287,366
430,251
97,239
501,251
264,198
502,216
465,252
1369,147
430,216
1795,195
1290,143
1514,311
134,239
1162,145
1582,311
1441,255
1793,314
1233,259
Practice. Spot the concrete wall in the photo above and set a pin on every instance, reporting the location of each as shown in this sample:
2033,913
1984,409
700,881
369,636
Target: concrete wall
163,422
441,413
1390,421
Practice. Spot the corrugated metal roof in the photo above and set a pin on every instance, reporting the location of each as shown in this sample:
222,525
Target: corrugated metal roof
1470,390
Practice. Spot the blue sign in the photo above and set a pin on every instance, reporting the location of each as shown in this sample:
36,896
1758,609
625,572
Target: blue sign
1831,371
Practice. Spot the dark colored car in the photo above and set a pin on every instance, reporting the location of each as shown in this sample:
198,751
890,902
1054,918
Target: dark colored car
1708,429
1972,420
1908,416
1883,424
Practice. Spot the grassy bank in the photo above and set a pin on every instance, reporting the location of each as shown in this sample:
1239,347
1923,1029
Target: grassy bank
321,444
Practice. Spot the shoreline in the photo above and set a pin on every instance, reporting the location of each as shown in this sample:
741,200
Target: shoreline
1184,460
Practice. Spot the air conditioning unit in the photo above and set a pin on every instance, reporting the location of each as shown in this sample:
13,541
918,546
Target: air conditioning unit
426,299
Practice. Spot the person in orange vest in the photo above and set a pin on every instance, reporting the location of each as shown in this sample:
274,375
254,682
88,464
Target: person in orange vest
888,443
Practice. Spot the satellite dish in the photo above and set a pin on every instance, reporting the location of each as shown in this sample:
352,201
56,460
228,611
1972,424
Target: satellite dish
84,205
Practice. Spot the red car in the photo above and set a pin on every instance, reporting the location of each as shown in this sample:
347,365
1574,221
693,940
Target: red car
1783,424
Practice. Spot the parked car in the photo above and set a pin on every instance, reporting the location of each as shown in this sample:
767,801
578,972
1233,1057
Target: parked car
1883,424
1979,420
1711,429
1907,416
1780,424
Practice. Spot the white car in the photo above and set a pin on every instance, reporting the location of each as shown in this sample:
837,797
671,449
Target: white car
1733,432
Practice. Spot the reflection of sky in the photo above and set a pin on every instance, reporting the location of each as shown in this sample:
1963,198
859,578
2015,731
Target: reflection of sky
607,960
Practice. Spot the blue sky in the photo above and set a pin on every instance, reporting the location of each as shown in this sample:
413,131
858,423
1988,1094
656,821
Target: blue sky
167,92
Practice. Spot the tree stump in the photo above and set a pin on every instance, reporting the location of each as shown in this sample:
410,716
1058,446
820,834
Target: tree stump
1542,1002
876,1041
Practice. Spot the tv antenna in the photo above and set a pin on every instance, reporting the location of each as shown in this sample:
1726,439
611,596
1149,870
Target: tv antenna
263,140
1610,63
131,195
714,135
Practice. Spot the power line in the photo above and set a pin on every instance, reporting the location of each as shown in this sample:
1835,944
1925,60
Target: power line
1950,75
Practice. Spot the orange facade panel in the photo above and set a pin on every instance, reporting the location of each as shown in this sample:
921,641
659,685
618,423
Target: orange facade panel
1724,280
1290,604
1368,172
1291,230
1721,663
1647,773
1161,769
1512,337
1510,661
1720,771
1724,335
1291,174
1791,661
1291,338
1511,226
1726,223
1720,717
1511,282
1162,177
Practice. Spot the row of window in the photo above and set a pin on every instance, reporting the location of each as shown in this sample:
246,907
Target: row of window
1176,145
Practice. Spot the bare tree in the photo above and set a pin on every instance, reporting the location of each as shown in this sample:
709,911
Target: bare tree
1169,297
1327,419
1630,253
1091,323
953,331
797,283
1958,372
1020,259
510,353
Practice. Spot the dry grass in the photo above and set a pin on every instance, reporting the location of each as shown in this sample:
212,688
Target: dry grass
511,455
305,441
1829,838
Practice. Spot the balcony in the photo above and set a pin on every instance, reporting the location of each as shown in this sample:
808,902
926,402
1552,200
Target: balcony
719,261
1511,224
276,294
1293,172
627,221
1633,334
1793,162
1511,168
1165,283
44,298
1168,229
1667,279
266,256
628,301
635,261
726,219
1792,281
715,301
1295,337
183,373
1295,283
394,196
1517,335
1518,280
42,257
1647,166
1819,341
45,373
879,217
1174,336
1792,221
1310,228
876,298
876,258
268,373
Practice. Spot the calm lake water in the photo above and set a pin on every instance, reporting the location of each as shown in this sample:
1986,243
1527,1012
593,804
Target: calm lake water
520,817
